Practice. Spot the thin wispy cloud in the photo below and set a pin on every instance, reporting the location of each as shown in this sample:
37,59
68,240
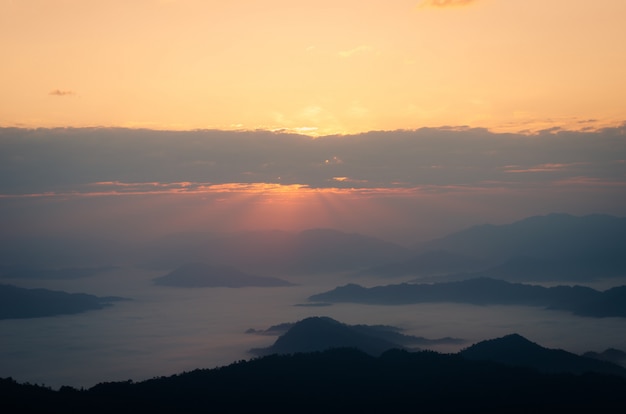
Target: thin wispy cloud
548,167
447,3
359,50
61,92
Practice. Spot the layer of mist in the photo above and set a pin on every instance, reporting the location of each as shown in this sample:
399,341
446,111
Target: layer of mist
163,330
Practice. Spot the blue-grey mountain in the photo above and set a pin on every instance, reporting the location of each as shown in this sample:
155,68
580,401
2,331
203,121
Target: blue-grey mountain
17,302
555,247
208,275
580,300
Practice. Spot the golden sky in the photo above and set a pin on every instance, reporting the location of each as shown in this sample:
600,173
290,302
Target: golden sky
329,66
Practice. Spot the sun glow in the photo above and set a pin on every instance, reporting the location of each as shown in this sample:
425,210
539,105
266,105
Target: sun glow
152,208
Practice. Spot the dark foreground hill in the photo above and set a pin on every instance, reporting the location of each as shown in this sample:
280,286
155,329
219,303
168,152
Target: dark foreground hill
516,350
323,333
337,381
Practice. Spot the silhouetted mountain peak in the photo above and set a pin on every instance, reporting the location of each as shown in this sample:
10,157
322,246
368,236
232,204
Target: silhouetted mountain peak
516,350
319,333
509,344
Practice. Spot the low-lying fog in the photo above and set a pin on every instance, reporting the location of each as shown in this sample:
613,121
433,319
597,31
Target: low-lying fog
166,330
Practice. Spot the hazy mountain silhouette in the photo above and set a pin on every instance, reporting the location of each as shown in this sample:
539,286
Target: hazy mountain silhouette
579,268
516,350
324,250
390,332
337,381
207,275
551,247
58,252
613,355
66,273
275,252
555,247
321,333
580,300
426,264
265,253
16,302
540,248
551,235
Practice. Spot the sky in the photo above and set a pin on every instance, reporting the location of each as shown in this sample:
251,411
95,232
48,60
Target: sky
402,119
318,68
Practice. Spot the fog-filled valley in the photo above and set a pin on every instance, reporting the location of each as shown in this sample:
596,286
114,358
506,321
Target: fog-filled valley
201,300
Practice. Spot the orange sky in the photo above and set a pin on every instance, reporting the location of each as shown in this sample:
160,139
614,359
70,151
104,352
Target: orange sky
321,67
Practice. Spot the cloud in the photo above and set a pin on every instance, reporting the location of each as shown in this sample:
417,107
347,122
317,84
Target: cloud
333,160
60,92
549,167
446,3
65,160
408,182
355,51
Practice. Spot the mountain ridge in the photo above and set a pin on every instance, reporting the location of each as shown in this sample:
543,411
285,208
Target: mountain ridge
515,350
19,303
580,300
201,274
337,381
552,247
320,333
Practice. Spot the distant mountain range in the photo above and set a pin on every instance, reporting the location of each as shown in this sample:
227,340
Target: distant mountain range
16,302
580,300
428,263
275,252
207,275
554,247
553,235
321,333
